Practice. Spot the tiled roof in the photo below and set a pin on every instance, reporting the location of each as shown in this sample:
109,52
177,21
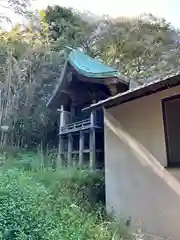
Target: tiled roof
140,91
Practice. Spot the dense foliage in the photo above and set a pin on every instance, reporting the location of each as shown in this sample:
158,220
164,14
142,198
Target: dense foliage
45,204
32,56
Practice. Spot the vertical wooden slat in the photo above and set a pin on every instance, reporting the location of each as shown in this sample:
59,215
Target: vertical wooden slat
81,148
69,150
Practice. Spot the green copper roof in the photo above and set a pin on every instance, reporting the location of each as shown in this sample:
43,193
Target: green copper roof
90,67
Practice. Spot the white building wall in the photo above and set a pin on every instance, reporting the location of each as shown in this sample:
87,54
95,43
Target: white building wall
137,185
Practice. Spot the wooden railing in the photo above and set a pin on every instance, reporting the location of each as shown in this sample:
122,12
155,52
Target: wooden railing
80,125
77,126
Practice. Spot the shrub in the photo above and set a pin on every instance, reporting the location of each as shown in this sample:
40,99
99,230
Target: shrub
50,205
88,186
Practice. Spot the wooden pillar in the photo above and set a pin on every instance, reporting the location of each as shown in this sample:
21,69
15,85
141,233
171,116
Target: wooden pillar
92,118
69,150
60,145
72,113
61,118
81,148
92,142
60,152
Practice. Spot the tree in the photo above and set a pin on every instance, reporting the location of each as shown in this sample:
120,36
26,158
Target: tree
140,47
18,6
66,26
32,55
27,69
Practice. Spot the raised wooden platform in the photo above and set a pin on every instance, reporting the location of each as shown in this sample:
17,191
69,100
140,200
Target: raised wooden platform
82,129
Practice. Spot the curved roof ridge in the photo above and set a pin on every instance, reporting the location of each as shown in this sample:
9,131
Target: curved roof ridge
91,67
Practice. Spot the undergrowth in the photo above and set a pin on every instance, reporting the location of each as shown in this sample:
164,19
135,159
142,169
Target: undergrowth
42,203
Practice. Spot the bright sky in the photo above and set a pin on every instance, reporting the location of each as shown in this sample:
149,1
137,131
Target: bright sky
168,9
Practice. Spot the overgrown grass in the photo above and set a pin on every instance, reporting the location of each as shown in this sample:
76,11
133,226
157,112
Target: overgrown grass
40,203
